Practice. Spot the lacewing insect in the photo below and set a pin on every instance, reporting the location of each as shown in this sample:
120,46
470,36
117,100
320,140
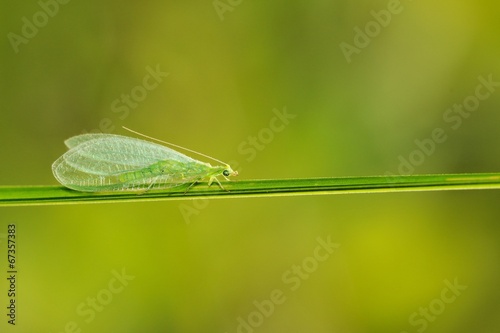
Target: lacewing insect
108,162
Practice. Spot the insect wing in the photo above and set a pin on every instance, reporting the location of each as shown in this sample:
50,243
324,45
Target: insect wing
79,139
96,161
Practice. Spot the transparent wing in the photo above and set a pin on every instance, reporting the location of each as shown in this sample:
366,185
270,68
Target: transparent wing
78,139
97,162
108,154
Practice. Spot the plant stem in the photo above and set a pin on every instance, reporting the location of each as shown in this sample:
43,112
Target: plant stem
45,195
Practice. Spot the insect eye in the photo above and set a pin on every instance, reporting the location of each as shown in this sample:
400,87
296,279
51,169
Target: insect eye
225,173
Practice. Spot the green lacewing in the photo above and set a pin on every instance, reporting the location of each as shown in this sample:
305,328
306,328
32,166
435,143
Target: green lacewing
109,162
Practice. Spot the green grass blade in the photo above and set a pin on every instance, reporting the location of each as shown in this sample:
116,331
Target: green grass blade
44,195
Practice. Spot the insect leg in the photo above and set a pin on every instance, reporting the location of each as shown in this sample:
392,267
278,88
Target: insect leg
192,184
151,183
212,178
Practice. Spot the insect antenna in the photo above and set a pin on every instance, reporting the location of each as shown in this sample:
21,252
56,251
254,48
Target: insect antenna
173,145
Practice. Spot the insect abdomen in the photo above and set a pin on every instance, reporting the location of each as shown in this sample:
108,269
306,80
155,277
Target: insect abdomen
171,171
136,175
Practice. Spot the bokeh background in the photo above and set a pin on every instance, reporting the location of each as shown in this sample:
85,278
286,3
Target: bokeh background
214,266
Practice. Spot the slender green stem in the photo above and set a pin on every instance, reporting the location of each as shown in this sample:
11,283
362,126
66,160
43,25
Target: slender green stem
44,195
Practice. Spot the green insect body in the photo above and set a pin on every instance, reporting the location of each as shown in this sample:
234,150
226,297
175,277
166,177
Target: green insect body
107,162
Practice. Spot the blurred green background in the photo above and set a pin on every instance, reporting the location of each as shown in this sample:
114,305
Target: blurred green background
253,265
